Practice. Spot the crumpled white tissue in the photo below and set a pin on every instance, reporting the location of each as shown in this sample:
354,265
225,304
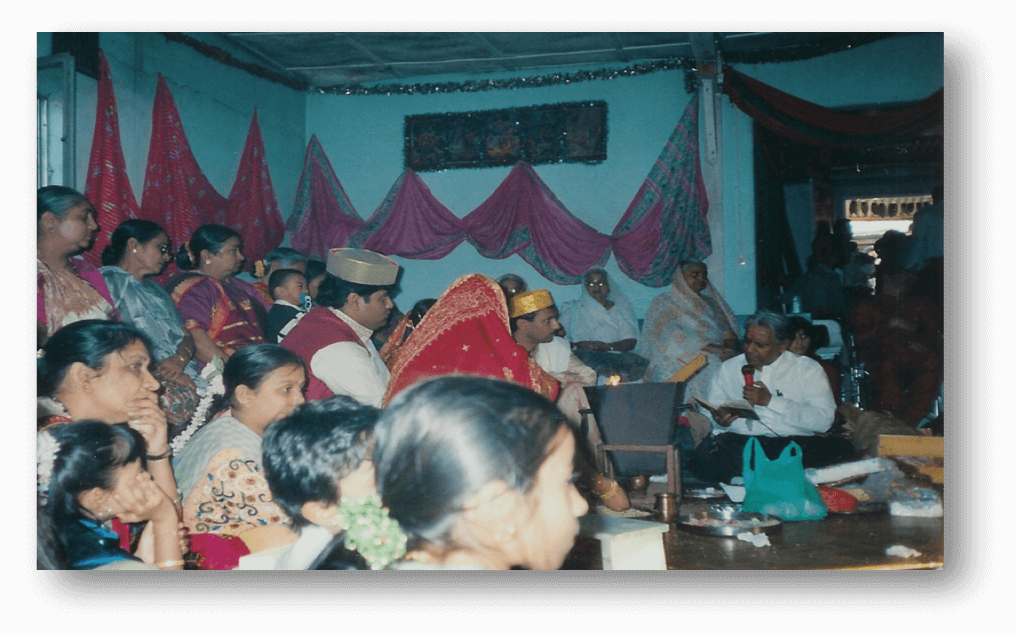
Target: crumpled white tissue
758,540
902,551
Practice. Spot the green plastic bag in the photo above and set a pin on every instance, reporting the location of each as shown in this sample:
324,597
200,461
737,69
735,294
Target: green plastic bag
778,487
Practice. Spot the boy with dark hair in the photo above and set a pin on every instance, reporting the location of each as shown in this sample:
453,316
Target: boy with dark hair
288,288
316,458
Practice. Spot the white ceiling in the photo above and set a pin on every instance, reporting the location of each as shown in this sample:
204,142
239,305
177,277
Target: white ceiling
331,59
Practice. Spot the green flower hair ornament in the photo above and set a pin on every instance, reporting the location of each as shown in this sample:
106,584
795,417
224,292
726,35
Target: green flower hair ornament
371,532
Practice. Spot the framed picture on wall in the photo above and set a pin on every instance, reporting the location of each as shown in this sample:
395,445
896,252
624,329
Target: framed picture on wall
573,132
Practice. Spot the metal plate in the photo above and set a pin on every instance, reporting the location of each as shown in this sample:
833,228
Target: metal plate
703,493
727,522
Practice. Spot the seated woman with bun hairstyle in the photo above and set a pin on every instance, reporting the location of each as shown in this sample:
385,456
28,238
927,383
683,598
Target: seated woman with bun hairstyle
479,474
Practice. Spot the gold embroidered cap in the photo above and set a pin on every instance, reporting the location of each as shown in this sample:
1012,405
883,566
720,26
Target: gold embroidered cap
528,302
362,266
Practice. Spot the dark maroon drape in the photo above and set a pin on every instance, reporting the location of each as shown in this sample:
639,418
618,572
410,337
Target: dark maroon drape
177,195
805,122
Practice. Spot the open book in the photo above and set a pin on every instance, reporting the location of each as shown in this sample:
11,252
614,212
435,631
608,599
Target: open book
740,409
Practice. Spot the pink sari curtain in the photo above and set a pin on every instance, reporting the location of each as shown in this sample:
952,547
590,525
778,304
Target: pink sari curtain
107,185
523,216
411,223
666,221
252,209
323,217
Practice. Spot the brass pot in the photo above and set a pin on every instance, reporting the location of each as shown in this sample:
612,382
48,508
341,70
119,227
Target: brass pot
666,506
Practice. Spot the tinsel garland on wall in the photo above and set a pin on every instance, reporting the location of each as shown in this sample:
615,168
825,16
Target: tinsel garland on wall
834,43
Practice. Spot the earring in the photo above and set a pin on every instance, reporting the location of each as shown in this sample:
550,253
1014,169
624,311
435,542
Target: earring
135,251
208,261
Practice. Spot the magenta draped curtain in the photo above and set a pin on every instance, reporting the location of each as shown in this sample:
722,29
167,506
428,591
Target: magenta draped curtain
524,217
323,217
411,223
107,185
666,221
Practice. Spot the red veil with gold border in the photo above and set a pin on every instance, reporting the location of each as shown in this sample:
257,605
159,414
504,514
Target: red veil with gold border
467,332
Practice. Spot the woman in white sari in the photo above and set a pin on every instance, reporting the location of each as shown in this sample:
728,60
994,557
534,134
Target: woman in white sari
689,319
603,328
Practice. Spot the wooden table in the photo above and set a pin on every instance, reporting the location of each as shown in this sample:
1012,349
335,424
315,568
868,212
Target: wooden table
839,541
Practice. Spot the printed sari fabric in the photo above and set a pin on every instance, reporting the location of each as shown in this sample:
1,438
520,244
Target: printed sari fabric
679,323
467,332
147,306
231,311
220,476
65,297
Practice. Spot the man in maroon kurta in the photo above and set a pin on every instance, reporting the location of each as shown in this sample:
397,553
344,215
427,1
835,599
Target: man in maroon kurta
334,338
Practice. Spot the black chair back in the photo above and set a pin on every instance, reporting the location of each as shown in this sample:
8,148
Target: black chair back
638,414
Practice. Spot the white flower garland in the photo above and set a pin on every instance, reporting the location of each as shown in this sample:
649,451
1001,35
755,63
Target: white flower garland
46,449
212,373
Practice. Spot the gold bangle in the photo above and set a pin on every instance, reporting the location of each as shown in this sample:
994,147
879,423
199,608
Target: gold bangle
166,564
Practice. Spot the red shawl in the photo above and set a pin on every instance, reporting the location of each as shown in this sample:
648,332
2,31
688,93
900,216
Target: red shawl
467,332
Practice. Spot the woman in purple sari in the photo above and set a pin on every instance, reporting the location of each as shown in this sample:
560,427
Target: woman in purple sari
223,313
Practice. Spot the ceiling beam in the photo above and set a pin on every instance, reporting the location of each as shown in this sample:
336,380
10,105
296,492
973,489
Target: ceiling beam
621,52
250,50
703,46
369,53
485,43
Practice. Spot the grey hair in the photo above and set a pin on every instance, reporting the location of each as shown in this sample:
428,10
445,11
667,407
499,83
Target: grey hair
775,321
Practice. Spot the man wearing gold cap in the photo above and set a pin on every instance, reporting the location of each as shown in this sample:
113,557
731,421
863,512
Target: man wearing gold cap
333,338
533,320
531,313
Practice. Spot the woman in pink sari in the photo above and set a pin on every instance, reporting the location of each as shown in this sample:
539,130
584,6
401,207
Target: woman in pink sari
223,313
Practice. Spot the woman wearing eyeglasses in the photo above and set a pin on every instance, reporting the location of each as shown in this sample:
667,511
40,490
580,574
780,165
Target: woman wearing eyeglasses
140,249
603,328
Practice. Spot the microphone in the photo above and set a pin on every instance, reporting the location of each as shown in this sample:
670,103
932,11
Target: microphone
749,375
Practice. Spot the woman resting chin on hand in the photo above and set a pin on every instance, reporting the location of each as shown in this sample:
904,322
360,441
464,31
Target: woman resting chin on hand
90,472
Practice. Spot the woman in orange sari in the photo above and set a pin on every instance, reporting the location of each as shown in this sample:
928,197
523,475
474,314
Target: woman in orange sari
467,332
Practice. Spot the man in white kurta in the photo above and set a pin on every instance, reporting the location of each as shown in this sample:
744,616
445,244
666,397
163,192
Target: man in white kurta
790,394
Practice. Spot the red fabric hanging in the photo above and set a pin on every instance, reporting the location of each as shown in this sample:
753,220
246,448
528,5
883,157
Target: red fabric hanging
323,217
524,216
177,195
411,223
252,210
107,185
